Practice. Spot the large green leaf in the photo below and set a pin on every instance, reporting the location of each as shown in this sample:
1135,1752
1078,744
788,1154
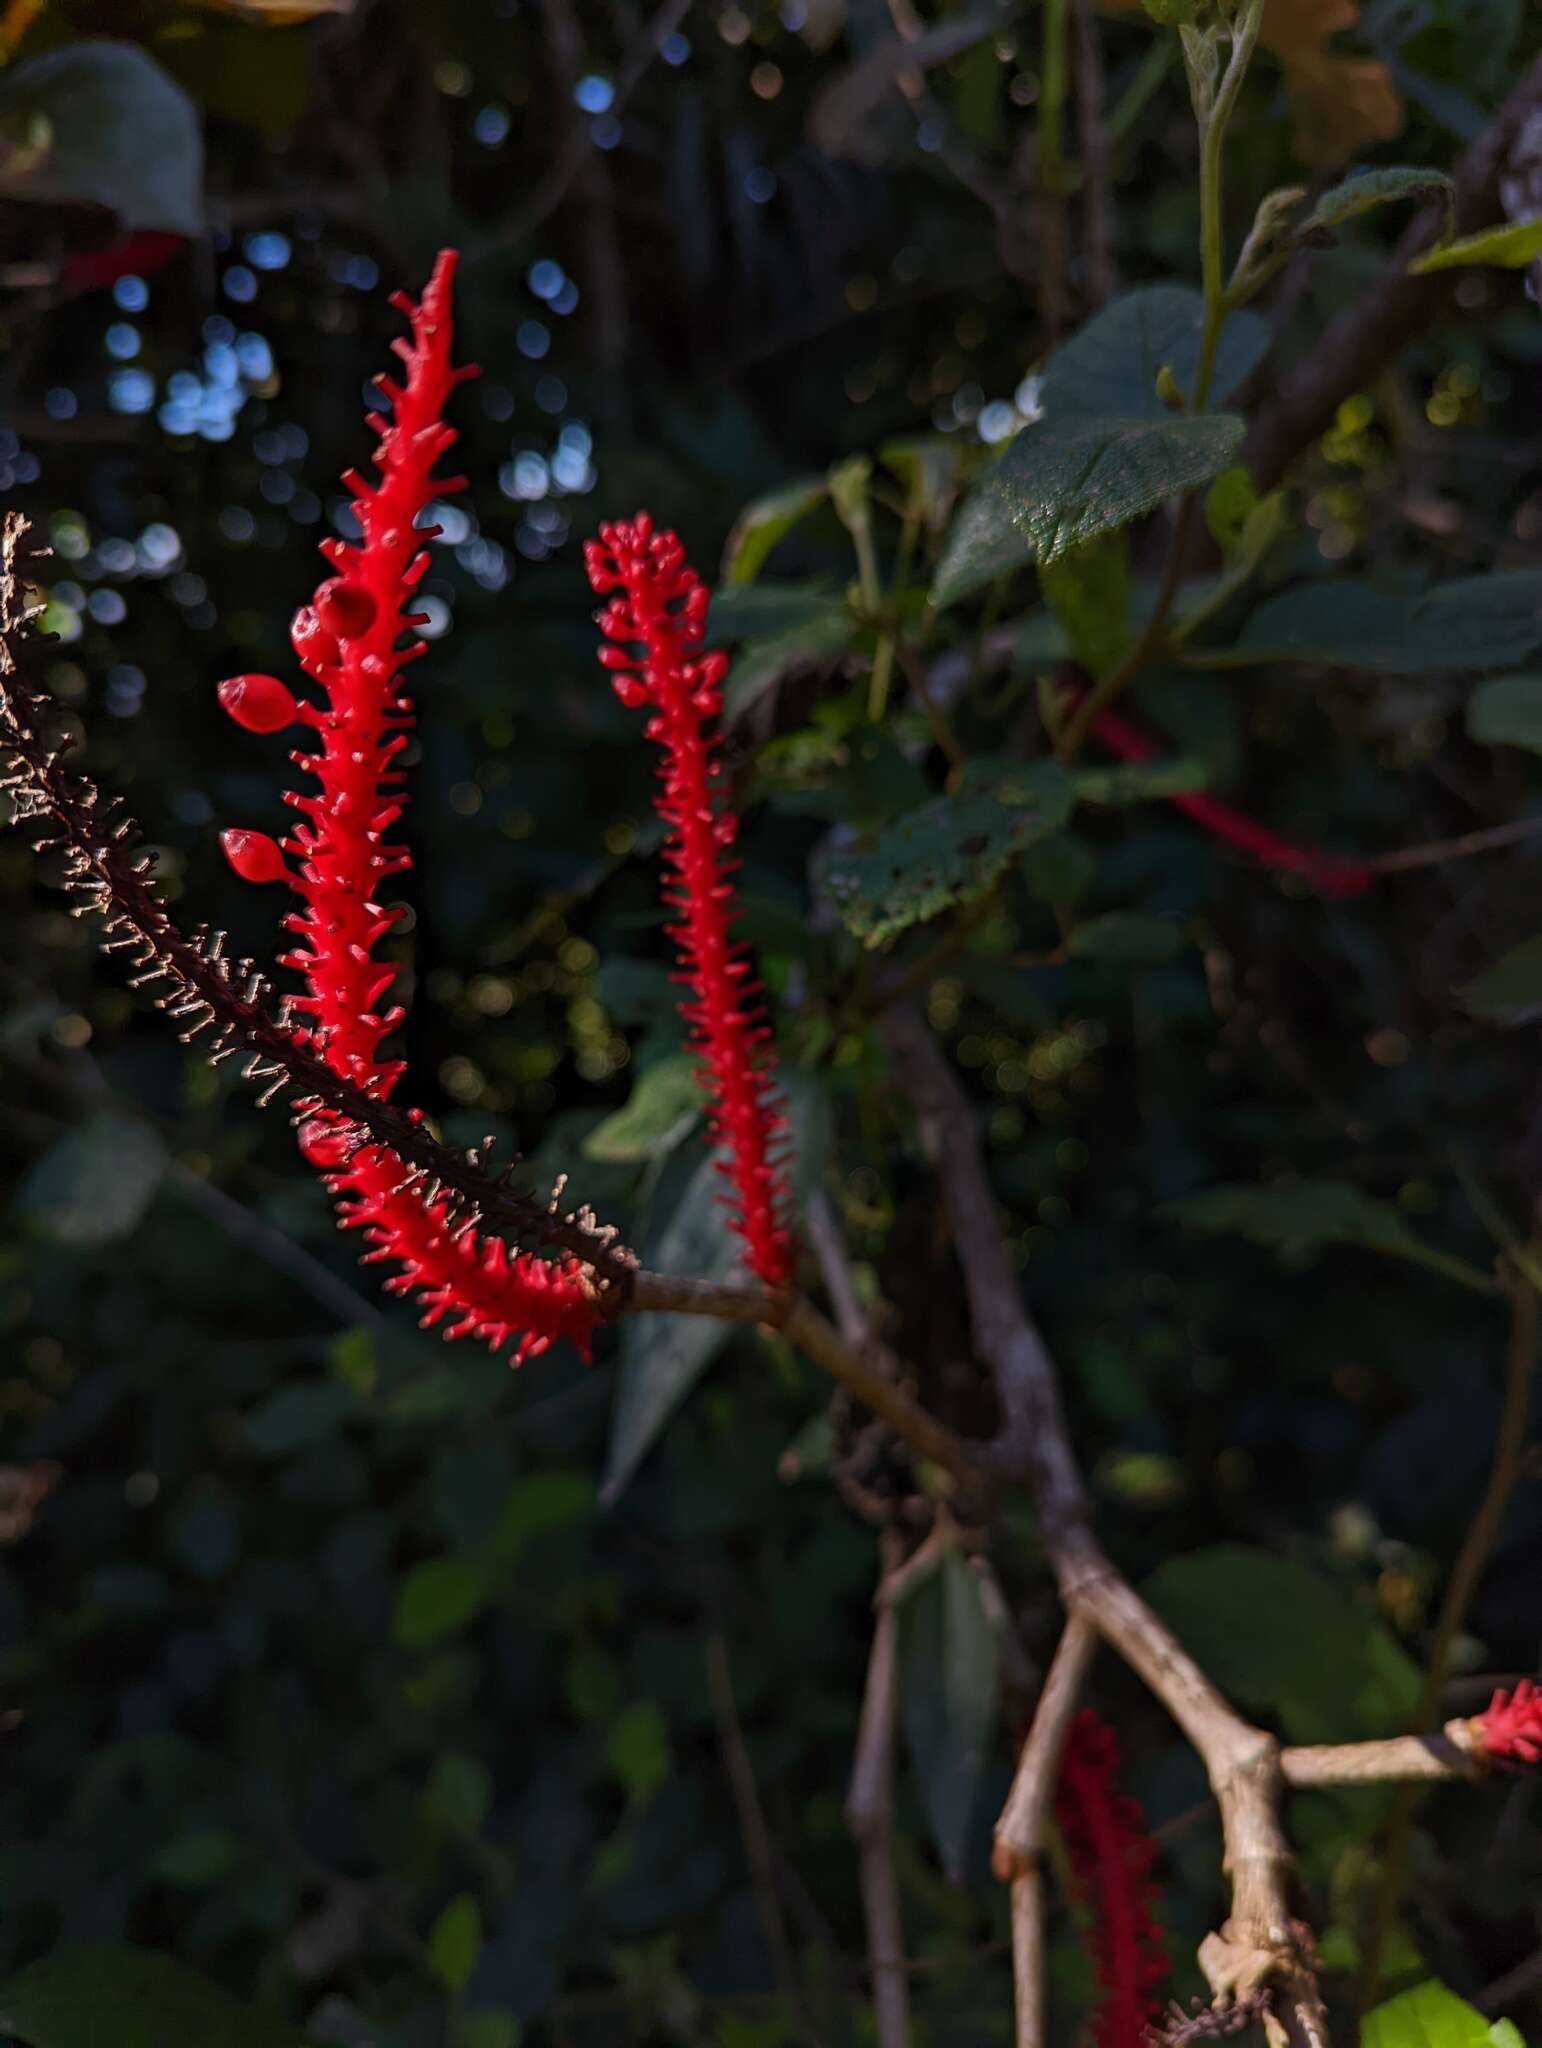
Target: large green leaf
1507,711
1105,448
1430,2016
663,1356
1295,1216
89,1996
93,1187
100,122
949,1686
1279,1638
1477,622
951,850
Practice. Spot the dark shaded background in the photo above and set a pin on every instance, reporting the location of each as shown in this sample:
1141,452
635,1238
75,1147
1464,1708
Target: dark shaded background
247,1727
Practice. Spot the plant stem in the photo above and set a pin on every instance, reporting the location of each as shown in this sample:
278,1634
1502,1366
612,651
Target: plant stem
1052,178
1212,225
1153,635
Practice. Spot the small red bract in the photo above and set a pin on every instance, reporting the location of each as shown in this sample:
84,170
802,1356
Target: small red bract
259,703
254,856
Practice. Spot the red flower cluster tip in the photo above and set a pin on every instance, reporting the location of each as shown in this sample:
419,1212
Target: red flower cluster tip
1511,1729
1111,1857
347,641
657,602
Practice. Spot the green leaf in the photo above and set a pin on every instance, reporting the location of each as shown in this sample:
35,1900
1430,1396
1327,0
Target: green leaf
93,104
440,1596
764,522
1506,711
455,1942
1508,989
638,1750
1088,590
951,850
84,1996
1510,247
930,466
1296,1216
296,1416
663,1356
1063,482
1245,1615
1429,2016
1368,189
1126,936
1477,622
1139,782
1105,448
949,1686
665,1101
489,2028
1059,869
1505,2034
95,1184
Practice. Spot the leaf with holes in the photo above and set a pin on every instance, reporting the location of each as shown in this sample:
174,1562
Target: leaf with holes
950,851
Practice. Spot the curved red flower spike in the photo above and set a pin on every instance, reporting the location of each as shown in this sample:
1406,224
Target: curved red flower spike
1111,1856
658,603
1511,1728
347,640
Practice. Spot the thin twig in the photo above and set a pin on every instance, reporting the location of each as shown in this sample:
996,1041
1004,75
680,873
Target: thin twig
870,1816
759,1853
1400,1759
1100,280
1466,843
1020,1830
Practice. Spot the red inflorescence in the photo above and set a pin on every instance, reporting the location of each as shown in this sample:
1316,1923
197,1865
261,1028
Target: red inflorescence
1331,875
658,603
1111,1857
1511,1729
347,642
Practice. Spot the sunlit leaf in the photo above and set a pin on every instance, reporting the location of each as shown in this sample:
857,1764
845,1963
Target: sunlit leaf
1510,247
1428,2016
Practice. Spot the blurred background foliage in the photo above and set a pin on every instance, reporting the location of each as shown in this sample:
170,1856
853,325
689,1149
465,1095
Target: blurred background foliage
324,1666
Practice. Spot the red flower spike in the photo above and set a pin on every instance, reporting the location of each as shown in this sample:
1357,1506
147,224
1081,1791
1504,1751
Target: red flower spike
1511,1730
659,604
254,856
258,703
1111,1857
346,641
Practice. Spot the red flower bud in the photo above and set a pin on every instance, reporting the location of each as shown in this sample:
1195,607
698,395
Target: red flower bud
316,647
346,609
254,856
260,703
